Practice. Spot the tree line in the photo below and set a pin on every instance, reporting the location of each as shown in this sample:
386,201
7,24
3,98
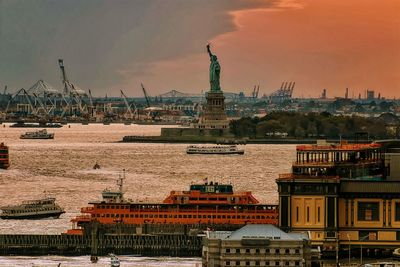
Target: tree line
313,125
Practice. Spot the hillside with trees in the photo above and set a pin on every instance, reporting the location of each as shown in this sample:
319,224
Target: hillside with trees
314,125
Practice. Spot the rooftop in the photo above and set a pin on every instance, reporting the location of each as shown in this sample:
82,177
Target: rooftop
338,147
258,231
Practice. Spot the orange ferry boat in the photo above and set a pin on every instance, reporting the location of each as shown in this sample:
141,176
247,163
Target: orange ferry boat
207,203
4,157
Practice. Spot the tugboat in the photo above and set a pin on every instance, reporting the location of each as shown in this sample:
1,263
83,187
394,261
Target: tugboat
41,134
207,203
4,157
220,149
33,209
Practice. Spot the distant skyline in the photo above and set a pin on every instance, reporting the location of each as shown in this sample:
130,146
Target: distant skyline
108,46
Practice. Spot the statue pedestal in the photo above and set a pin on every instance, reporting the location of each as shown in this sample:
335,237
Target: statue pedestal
214,116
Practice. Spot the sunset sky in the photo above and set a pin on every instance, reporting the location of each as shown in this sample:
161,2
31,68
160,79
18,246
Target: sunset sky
113,45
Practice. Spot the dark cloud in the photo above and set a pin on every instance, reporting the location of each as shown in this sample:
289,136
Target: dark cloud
100,40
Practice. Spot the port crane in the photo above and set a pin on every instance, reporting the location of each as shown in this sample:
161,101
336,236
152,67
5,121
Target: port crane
255,92
153,112
146,96
128,114
72,92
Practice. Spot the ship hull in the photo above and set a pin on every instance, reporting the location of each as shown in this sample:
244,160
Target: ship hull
31,216
36,126
216,153
47,137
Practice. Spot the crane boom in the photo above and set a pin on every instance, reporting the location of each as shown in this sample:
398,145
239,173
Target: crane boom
146,96
128,107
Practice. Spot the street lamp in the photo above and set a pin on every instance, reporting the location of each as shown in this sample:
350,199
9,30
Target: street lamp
348,237
362,239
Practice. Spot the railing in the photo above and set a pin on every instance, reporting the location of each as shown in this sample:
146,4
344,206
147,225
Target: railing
331,163
339,147
87,209
81,218
298,176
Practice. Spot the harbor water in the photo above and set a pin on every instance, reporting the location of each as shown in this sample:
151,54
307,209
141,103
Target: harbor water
63,168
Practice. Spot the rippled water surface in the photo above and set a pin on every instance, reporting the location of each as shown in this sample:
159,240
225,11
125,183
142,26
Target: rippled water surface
63,167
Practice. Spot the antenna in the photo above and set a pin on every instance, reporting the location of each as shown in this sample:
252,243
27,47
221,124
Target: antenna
121,181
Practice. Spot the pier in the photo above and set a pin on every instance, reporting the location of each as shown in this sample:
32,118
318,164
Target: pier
99,239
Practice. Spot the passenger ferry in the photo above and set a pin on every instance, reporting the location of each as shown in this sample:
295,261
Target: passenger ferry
33,209
206,203
220,149
41,134
4,157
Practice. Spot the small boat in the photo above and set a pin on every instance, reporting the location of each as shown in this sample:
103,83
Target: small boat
219,149
33,209
41,134
114,261
96,166
4,157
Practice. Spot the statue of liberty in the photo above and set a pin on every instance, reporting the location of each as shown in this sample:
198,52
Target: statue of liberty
215,70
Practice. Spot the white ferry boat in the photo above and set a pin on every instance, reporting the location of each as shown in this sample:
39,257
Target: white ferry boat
33,209
41,134
220,149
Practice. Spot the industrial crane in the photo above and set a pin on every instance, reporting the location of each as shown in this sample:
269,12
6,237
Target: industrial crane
255,91
153,112
128,114
69,90
146,96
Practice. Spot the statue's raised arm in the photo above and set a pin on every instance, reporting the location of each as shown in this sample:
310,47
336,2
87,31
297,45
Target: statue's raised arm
209,50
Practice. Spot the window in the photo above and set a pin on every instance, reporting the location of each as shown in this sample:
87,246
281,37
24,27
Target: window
308,214
257,251
398,235
287,251
228,263
397,212
237,263
227,250
368,211
319,214
247,250
257,263
237,250
297,214
247,263
277,263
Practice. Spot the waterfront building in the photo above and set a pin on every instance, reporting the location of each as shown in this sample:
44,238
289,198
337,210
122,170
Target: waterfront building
256,245
345,195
